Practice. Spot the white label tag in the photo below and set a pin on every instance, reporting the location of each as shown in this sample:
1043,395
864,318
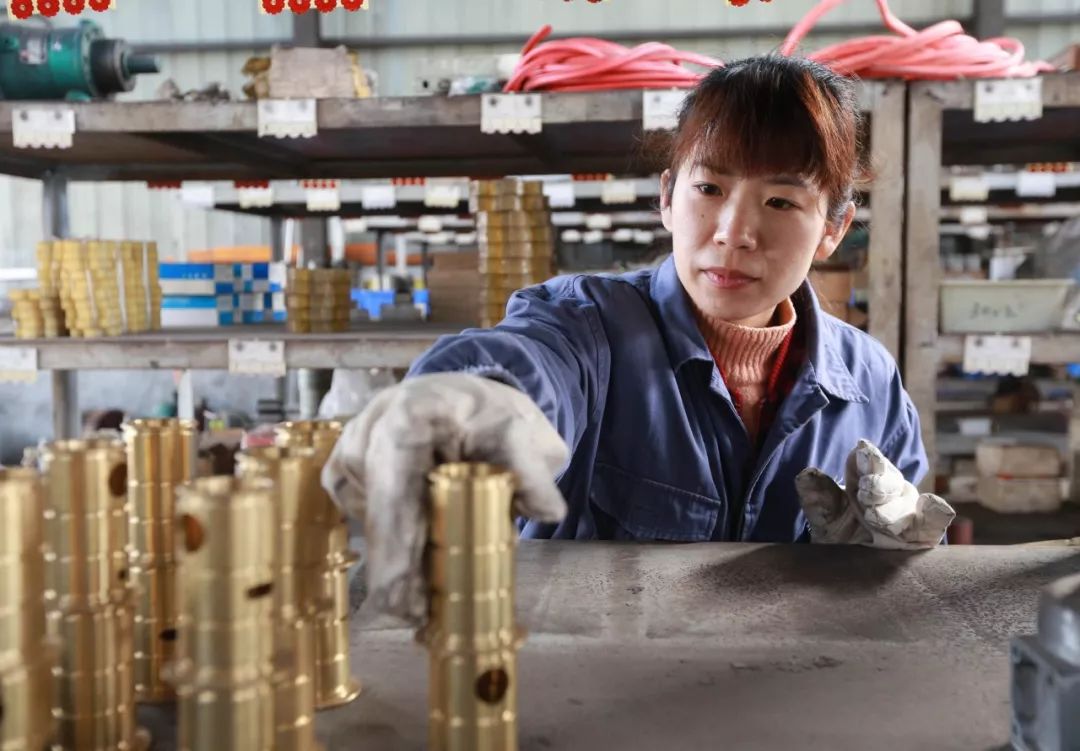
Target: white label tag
618,191
429,223
253,198
257,357
42,129
968,188
323,199
560,195
442,195
660,109
197,194
511,113
571,236
593,236
1002,355
974,215
378,197
288,118
643,236
1035,184
622,235
598,221
18,364
1012,99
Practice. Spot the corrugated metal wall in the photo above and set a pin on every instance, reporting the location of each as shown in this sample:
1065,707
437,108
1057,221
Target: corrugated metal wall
131,210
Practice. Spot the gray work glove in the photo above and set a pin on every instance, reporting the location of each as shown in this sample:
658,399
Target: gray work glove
877,506
378,470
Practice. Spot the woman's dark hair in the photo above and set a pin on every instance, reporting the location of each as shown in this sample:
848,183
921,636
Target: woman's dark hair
771,115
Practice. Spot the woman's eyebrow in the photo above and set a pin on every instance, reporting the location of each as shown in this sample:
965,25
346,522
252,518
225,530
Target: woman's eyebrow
793,180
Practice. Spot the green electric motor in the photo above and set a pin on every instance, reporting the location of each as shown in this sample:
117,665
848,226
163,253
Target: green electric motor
74,62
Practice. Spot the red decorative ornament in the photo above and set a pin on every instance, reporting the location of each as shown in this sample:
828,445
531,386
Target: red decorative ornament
48,8
100,5
21,9
74,7
273,7
299,6
325,6
738,3
352,4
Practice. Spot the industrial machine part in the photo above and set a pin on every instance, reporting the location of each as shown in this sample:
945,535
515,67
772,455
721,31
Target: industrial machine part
300,550
75,62
88,594
1046,674
26,657
334,682
471,634
161,455
225,651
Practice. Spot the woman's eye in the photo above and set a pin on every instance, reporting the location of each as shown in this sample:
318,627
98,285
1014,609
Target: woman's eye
780,203
708,189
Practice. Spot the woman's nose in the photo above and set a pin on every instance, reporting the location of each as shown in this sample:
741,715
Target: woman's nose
736,224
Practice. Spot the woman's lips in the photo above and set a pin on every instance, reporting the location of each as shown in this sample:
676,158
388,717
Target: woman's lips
725,278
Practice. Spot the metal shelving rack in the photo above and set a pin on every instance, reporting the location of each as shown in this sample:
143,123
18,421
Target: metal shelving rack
378,138
941,131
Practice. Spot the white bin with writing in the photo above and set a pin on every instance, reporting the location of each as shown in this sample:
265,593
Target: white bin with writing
1018,306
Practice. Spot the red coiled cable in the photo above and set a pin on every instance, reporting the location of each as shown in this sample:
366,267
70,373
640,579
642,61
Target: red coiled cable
941,51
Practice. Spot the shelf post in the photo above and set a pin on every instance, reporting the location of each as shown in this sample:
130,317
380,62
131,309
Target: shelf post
65,397
886,251
922,255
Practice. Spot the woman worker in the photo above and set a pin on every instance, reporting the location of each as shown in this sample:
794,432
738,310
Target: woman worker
680,403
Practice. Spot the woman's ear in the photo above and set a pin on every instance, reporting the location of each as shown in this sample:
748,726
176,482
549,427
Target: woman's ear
667,185
834,233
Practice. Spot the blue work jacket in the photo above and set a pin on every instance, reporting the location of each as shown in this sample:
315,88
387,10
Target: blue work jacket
659,452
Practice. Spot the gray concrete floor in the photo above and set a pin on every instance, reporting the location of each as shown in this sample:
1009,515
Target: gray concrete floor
636,647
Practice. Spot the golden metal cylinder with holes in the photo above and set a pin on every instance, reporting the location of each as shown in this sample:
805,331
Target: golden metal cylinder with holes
225,651
26,656
87,557
161,455
88,594
334,682
300,564
471,636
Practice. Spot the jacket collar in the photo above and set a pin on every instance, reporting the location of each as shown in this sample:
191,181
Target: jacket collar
685,343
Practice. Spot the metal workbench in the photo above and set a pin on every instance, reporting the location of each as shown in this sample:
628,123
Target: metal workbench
649,647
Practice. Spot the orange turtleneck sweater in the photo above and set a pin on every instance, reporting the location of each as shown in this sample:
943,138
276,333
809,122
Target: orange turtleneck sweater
747,357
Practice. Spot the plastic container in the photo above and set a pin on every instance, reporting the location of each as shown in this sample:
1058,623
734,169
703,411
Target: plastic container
1004,307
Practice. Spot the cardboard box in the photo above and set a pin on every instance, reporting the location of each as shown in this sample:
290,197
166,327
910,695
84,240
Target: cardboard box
1019,461
1022,496
833,285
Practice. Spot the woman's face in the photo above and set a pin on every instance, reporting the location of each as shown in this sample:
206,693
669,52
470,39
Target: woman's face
744,244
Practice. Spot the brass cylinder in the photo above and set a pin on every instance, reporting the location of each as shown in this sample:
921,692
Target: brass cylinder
225,649
161,455
26,661
471,634
296,477
87,557
294,687
94,701
296,480
88,594
329,541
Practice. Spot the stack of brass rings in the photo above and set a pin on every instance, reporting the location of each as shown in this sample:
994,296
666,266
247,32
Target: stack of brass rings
334,682
161,455
88,594
225,651
27,657
296,594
